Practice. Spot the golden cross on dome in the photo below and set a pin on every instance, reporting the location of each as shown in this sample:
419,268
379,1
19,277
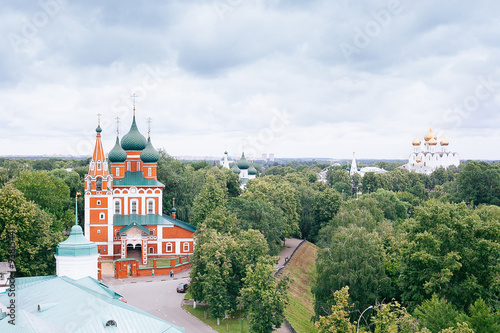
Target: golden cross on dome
134,97
117,125
149,120
173,202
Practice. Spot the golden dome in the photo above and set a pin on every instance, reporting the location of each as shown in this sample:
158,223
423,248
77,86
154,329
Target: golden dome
419,159
444,142
433,142
416,142
430,135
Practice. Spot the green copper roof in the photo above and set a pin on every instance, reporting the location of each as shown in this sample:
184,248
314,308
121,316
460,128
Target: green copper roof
235,169
133,140
117,154
61,299
149,219
136,179
149,154
243,163
140,227
252,170
76,245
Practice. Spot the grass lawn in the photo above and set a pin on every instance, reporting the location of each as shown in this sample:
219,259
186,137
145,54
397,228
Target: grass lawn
237,323
301,301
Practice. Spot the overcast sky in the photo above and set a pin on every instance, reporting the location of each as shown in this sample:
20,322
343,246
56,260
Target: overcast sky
295,78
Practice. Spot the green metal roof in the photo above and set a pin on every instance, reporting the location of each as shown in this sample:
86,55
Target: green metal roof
133,140
76,244
235,168
150,219
149,154
136,179
252,170
117,154
61,299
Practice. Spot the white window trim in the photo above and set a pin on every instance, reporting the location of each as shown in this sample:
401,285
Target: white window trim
149,172
117,171
119,202
129,166
138,166
168,247
153,202
132,201
102,216
184,245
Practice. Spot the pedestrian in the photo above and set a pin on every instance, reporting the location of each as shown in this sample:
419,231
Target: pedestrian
171,273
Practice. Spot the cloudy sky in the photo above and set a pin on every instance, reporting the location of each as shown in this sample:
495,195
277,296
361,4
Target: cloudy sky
295,78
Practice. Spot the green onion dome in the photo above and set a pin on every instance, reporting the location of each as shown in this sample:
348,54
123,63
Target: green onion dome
133,140
252,170
243,163
98,129
149,154
235,169
117,154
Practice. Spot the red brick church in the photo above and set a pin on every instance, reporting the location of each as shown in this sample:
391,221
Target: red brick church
123,203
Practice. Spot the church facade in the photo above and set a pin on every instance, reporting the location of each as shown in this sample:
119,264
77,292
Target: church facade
431,157
123,203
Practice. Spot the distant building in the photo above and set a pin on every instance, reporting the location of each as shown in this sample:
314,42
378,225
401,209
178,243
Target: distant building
271,157
355,169
430,158
226,161
6,269
264,157
244,170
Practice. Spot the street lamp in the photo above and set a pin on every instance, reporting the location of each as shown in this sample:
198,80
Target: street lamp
361,316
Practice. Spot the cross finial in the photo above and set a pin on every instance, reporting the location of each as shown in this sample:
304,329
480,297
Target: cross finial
149,120
173,202
117,126
76,207
134,96
99,119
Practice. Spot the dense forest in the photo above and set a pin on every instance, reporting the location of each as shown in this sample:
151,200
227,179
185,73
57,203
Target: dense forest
419,253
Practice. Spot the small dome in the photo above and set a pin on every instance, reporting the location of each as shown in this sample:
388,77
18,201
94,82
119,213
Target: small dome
243,163
252,170
133,140
444,142
117,154
430,135
174,210
433,142
416,142
98,129
235,169
76,244
419,159
149,154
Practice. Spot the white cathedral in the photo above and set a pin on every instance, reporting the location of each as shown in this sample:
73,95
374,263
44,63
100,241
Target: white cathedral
430,157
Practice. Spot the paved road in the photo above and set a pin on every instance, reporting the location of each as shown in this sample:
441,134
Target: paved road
157,295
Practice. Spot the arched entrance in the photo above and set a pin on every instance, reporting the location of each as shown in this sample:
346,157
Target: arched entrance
135,252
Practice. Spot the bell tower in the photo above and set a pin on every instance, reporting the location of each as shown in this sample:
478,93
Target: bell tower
98,199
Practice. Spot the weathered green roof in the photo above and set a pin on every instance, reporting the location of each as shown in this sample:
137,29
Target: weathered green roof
136,179
60,300
149,154
243,163
117,154
150,219
133,140
76,244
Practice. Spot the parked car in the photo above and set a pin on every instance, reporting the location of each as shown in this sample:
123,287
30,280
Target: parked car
182,288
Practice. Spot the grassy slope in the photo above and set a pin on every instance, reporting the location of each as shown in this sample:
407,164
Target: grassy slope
301,303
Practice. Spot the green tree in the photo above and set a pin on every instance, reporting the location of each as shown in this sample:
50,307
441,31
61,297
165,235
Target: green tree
338,319
210,197
50,193
479,182
355,258
437,314
33,240
263,297
482,319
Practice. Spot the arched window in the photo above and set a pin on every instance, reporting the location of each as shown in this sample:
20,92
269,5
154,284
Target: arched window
118,207
149,172
185,247
102,216
98,202
151,206
169,247
151,250
128,166
99,165
98,184
117,172
89,184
